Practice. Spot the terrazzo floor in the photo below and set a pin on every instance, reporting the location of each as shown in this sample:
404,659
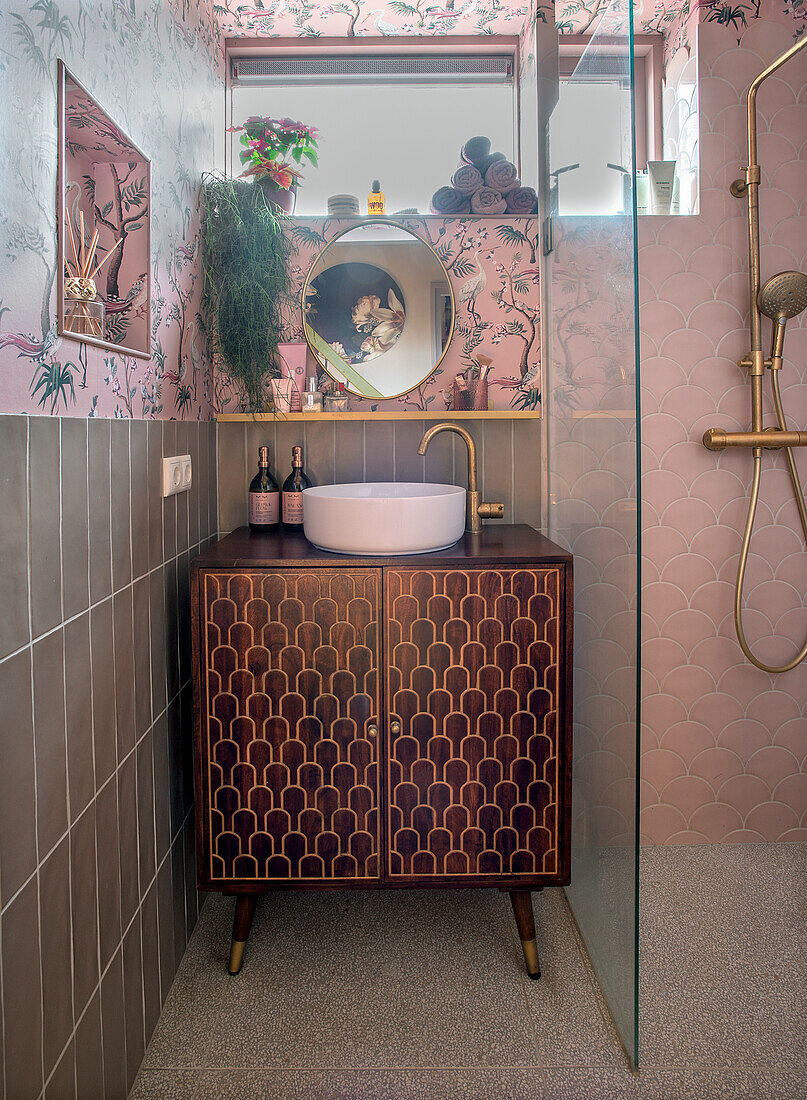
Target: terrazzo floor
421,995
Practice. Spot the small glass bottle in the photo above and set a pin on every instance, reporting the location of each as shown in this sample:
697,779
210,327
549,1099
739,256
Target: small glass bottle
375,200
312,398
338,401
293,492
264,497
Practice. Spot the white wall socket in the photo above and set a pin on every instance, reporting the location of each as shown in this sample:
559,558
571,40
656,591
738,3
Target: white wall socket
177,474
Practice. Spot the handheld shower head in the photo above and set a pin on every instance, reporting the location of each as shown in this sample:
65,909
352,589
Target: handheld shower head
782,297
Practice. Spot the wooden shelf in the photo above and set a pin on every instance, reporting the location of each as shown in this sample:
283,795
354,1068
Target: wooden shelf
498,414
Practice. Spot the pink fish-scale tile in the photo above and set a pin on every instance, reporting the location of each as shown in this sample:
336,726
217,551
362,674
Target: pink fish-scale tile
743,836
659,768
688,516
660,544
791,178
665,486
718,209
716,94
687,739
688,684
792,625
715,542
772,819
689,572
744,681
660,431
772,764
660,711
663,655
658,262
715,820
713,599
717,488
744,792
716,765
686,290
661,318
733,287
730,120
687,792
767,39
688,836
785,115
792,790
687,403
744,736
675,240
790,727
660,375
660,601
711,261
660,822
776,147
794,836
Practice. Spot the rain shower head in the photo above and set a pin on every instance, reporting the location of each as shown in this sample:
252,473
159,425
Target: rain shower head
783,296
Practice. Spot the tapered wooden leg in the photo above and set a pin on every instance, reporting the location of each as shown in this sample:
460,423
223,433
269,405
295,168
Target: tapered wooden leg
521,900
244,912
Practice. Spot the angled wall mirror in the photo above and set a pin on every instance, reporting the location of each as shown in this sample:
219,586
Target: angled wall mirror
378,309
104,222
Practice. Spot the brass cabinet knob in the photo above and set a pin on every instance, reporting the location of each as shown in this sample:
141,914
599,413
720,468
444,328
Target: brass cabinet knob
395,727
372,731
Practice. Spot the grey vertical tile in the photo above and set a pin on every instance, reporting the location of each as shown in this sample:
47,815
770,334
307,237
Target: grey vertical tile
89,1060
103,691
178,901
459,451
46,563
212,477
170,503
151,962
496,480
14,623
57,978
142,654
194,493
409,466
186,718
157,627
349,451
62,1084
22,994
183,444
17,794
100,509
234,471
439,460
75,531
527,472
124,670
121,504
162,787
78,706
378,450
288,434
145,811
140,497
165,917
319,450
189,856
127,839
171,628
133,1000
263,433
201,476
184,615
109,884
113,1031
84,906
50,742
174,741
154,447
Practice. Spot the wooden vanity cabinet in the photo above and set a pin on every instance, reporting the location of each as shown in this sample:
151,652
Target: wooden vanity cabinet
364,722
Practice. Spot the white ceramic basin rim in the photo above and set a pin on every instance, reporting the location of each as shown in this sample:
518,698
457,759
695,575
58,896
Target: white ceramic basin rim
384,517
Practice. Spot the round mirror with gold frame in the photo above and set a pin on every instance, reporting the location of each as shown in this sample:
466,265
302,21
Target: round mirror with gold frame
378,309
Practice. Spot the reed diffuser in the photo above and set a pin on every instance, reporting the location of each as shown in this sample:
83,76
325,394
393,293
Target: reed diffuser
84,311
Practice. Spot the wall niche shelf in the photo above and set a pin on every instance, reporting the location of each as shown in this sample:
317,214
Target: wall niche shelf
497,414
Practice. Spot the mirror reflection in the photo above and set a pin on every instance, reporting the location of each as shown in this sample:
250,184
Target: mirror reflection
378,309
104,216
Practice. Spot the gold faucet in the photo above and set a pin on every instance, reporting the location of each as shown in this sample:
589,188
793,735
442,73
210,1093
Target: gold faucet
475,508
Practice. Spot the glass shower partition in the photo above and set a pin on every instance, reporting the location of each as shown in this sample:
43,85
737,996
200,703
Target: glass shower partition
592,441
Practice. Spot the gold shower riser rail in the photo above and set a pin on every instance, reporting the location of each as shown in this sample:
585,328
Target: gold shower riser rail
716,439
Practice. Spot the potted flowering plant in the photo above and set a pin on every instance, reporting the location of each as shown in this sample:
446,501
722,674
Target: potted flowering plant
273,151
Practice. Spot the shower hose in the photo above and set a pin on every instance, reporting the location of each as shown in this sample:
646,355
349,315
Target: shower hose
749,526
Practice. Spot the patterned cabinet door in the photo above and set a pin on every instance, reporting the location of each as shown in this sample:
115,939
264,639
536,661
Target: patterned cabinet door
476,664
289,749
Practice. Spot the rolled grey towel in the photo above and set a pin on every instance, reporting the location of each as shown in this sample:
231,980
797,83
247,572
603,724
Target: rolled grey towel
522,200
488,201
467,179
475,149
486,162
449,201
502,177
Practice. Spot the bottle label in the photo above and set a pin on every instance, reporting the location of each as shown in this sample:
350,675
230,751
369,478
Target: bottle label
292,507
264,507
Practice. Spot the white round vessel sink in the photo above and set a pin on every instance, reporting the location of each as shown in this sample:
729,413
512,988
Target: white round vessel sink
384,517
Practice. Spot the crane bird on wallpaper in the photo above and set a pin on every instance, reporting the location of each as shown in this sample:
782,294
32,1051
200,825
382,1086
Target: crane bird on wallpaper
473,287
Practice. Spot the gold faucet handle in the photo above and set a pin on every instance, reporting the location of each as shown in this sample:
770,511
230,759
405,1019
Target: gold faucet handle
491,510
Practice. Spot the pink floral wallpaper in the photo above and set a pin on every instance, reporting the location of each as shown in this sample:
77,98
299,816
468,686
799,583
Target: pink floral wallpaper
156,70
725,745
493,267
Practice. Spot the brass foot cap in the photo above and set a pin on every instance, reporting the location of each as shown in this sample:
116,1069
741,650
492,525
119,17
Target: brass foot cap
530,948
236,955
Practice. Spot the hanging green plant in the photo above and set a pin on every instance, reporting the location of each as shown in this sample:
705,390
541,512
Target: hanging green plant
247,282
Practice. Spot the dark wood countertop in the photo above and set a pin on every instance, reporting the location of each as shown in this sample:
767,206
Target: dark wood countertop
505,544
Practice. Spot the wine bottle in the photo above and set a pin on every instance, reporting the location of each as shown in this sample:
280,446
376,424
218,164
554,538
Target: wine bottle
293,492
264,496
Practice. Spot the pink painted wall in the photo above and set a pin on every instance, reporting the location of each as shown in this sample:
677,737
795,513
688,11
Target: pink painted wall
724,745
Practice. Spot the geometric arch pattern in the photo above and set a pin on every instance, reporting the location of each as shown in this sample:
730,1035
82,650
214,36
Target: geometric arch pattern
292,689
473,692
